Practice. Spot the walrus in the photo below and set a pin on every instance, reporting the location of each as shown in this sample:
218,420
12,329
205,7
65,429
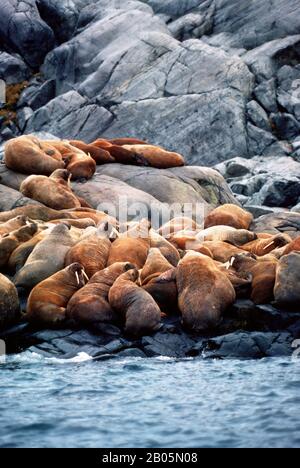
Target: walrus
90,304
131,246
81,165
204,292
124,156
100,155
9,302
163,289
29,155
237,237
47,302
48,191
166,248
177,224
43,213
263,272
19,256
47,257
13,224
156,156
229,215
262,247
80,223
92,251
287,282
138,309
293,246
220,251
155,265
9,242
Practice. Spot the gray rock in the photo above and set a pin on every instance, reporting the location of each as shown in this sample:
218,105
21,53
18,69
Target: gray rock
23,115
23,30
258,116
286,125
12,69
259,210
61,16
10,178
264,61
10,199
275,223
209,127
262,142
245,345
37,95
265,93
278,192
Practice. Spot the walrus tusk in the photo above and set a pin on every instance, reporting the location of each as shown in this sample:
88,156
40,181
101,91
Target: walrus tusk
85,275
269,245
77,277
69,180
114,231
227,265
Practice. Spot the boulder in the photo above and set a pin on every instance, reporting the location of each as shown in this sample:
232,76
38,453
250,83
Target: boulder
23,31
13,69
10,199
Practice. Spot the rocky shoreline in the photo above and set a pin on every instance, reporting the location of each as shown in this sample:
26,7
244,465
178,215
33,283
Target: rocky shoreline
212,80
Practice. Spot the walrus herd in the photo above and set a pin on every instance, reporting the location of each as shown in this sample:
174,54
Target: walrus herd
79,266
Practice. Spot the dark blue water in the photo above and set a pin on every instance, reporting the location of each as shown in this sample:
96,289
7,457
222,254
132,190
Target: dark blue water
149,403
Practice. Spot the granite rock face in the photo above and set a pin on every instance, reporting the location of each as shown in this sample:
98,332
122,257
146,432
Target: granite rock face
211,79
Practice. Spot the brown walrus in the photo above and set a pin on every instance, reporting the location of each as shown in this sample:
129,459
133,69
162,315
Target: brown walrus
221,251
48,300
127,141
100,155
204,292
138,309
81,223
178,224
123,156
293,246
90,304
19,256
287,283
9,242
46,214
131,246
263,272
29,155
9,302
262,247
156,156
166,248
163,289
49,191
229,215
47,257
13,225
155,265
76,161
92,251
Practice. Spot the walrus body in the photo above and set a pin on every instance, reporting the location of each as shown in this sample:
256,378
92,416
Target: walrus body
19,256
156,156
90,304
9,242
155,265
138,309
228,234
100,155
293,246
29,155
221,251
50,192
262,247
166,248
12,225
163,289
48,300
9,302
287,283
92,252
204,292
178,224
229,215
47,258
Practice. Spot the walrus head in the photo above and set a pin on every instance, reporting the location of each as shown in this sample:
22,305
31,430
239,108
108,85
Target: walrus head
280,240
80,275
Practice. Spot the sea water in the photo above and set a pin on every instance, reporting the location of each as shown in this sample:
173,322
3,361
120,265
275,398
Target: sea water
159,402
